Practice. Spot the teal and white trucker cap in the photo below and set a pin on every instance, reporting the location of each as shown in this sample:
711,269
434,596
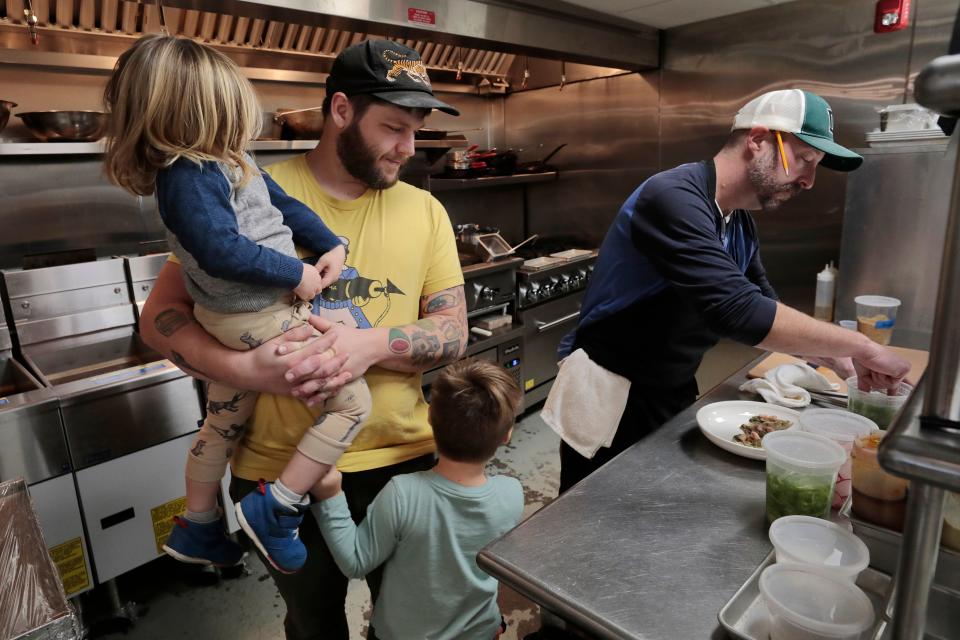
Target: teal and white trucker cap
805,115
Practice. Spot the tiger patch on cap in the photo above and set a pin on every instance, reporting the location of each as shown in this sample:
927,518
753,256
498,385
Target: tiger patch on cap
399,64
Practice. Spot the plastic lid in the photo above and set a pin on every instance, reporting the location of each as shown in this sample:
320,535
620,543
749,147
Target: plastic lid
820,543
804,450
816,599
878,395
836,424
877,301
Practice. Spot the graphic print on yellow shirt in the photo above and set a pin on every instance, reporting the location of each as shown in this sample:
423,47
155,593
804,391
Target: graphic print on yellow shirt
347,300
400,246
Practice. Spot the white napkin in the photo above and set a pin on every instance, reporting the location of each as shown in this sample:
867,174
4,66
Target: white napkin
585,403
787,385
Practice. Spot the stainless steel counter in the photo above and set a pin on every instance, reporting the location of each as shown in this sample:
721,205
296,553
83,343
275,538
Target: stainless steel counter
653,544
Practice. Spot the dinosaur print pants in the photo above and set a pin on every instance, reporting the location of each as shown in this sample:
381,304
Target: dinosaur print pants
337,423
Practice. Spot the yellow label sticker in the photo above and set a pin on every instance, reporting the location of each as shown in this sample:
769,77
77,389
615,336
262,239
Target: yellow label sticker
162,518
71,565
529,384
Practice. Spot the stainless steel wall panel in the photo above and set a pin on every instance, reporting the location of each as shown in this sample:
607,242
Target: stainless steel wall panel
611,127
53,204
893,231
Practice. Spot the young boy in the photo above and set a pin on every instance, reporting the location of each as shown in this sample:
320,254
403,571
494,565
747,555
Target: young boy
427,527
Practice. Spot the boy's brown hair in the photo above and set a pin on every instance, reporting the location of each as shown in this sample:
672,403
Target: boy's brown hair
473,404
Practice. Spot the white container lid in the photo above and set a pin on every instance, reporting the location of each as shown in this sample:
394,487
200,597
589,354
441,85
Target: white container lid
820,543
816,600
877,301
837,424
804,451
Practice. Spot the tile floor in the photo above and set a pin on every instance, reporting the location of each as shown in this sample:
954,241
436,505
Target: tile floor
183,602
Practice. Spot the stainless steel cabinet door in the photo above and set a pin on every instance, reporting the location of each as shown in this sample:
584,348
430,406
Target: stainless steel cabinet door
127,504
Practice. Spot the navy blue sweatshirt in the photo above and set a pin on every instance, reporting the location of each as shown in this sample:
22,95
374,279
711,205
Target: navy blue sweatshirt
672,278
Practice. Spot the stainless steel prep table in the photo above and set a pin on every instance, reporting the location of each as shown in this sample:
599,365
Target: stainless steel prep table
651,545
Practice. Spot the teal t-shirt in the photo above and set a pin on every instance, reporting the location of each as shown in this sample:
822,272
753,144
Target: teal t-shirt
426,531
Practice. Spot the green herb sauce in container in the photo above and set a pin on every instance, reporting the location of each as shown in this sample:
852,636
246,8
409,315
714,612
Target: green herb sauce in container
801,472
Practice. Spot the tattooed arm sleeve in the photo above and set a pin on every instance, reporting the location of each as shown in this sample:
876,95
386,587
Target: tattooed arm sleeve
438,337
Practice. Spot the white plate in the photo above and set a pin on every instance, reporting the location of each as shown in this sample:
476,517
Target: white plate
720,421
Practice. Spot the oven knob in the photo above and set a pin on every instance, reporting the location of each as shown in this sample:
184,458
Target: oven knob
488,293
534,294
565,283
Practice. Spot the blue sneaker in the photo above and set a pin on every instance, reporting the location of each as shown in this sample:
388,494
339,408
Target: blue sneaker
202,543
272,526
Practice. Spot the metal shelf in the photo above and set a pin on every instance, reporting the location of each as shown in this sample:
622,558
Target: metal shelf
79,148
456,184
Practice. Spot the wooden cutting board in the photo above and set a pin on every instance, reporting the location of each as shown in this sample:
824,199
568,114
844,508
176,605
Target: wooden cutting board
917,359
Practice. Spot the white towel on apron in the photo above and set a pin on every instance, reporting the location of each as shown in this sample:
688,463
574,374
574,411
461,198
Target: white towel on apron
585,404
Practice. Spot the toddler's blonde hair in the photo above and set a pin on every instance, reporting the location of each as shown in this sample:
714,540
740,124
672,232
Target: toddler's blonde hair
173,98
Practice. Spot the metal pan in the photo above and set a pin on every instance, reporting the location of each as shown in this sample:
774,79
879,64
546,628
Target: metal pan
69,126
538,166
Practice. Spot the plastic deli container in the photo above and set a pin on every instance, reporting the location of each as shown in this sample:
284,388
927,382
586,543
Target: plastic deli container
848,324
876,316
801,471
811,603
876,404
878,497
843,428
819,543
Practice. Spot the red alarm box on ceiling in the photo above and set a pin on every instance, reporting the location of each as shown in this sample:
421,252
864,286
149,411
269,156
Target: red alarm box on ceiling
892,15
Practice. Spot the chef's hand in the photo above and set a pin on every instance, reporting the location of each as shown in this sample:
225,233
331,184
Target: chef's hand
883,369
843,367
309,358
328,486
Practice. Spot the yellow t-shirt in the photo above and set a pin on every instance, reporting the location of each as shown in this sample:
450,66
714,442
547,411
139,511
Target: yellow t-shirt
400,246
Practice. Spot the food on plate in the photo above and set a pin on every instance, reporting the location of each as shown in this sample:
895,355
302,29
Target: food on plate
798,494
753,430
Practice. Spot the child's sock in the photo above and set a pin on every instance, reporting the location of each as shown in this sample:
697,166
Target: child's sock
203,517
288,497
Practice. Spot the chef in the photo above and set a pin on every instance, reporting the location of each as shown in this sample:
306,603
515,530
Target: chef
680,268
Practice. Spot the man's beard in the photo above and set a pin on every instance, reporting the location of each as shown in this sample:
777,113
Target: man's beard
762,176
360,160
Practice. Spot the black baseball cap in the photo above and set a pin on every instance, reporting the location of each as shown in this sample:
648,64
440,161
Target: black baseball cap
387,70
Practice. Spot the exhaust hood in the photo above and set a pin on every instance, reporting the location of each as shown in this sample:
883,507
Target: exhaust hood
296,40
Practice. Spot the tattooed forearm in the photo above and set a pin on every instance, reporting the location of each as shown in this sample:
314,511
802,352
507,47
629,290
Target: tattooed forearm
426,348
178,359
439,337
169,321
441,302
398,342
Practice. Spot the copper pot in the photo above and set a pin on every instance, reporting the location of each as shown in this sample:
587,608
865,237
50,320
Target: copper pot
5,106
